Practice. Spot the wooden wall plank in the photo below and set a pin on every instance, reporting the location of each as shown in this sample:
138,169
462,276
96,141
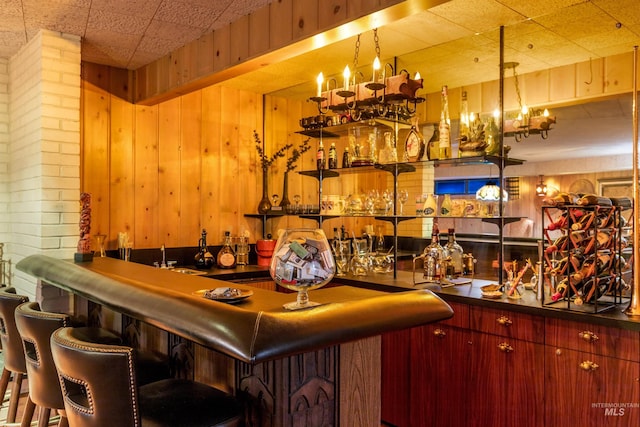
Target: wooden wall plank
249,171
281,25
305,19
204,56
229,204
95,147
122,191
590,78
332,12
210,185
146,232
190,167
221,48
618,73
562,83
258,29
239,47
169,172
535,88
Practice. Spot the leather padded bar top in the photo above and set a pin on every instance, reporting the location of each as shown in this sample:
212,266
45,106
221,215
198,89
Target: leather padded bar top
255,330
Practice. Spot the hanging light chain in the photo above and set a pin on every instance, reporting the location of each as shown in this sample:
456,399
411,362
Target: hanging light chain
515,76
376,40
356,53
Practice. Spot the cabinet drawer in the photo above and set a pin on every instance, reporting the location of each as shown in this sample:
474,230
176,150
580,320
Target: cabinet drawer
597,339
460,317
507,323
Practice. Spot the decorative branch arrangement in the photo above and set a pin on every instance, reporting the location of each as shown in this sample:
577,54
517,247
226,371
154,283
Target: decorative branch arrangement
266,161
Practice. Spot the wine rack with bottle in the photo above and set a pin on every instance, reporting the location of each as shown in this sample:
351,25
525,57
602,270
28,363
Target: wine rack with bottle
582,256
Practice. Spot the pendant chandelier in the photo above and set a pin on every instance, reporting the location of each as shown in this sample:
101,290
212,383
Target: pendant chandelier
387,94
490,192
529,121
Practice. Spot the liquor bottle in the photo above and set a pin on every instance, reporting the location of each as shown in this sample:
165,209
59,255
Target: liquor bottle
592,199
434,257
493,144
413,143
320,158
226,256
445,208
454,251
346,158
203,258
465,134
430,206
333,156
433,146
444,127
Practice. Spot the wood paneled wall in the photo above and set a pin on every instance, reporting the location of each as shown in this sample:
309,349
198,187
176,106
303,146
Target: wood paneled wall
163,172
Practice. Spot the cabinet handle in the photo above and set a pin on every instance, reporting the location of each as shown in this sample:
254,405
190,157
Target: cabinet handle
505,347
439,333
589,366
588,336
504,321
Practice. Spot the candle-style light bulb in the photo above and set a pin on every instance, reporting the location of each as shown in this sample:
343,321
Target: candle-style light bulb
376,67
525,110
319,80
417,77
496,113
545,113
346,74
472,117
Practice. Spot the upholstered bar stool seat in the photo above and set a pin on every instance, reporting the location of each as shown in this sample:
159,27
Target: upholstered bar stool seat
14,359
99,388
35,328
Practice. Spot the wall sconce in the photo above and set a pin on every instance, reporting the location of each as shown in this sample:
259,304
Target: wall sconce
541,188
529,121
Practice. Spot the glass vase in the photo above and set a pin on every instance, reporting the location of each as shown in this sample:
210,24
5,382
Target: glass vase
265,205
302,261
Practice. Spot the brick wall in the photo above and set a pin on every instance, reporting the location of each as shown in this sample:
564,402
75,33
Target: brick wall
43,150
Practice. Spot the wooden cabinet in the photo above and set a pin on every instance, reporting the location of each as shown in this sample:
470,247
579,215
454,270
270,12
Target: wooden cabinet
488,366
592,374
440,371
507,359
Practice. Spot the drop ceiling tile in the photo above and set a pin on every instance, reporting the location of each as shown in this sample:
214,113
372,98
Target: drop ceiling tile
10,8
114,22
139,8
613,38
177,35
482,15
532,9
185,13
625,11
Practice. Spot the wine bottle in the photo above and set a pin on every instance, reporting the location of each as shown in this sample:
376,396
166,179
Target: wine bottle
592,199
465,135
346,158
226,256
444,127
320,158
333,156
433,146
413,143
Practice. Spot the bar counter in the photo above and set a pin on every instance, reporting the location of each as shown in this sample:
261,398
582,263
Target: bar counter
257,329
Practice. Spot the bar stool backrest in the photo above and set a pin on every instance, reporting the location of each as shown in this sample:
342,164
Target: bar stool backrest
11,343
97,381
35,329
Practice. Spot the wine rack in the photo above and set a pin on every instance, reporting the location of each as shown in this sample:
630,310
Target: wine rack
582,257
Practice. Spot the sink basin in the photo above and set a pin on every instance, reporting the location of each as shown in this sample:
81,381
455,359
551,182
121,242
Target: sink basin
189,271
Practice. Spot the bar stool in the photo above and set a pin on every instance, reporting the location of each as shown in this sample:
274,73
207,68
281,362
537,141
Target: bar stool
14,359
99,389
35,328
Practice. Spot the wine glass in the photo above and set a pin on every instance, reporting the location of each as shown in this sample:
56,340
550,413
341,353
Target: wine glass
296,200
302,261
403,197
